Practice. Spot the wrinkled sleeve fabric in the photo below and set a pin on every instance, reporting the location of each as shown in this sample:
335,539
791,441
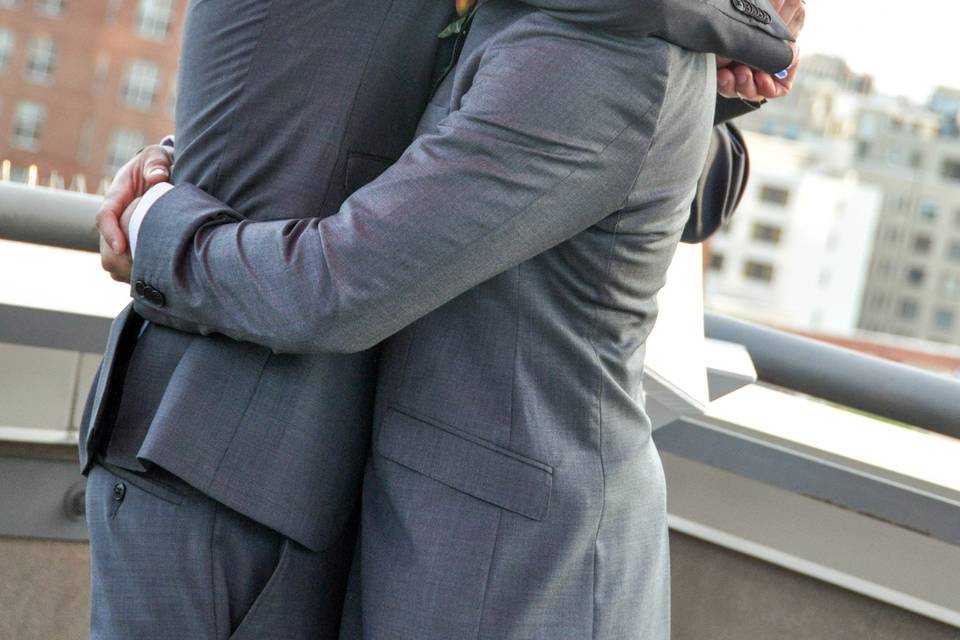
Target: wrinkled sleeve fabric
708,26
548,140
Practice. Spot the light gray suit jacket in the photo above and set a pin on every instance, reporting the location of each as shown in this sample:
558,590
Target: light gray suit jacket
515,249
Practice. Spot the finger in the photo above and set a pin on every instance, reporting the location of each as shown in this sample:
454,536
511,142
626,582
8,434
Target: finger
796,55
766,86
777,5
746,88
787,9
108,224
784,85
156,164
117,266
799,19
126,182
109,261
726,83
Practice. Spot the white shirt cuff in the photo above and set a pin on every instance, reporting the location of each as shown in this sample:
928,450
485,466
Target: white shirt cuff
136,219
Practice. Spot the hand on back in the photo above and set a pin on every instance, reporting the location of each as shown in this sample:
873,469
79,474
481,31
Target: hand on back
738,80
147,168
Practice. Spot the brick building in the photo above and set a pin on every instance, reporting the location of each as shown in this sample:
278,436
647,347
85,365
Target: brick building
85,83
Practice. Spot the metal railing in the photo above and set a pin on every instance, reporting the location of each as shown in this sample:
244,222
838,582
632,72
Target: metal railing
846,377
887,389
53,217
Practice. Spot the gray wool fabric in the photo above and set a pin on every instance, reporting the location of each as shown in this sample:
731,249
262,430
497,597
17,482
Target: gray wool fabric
515,249
172,564
511,255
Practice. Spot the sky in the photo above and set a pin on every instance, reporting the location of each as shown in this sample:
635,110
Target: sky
908,47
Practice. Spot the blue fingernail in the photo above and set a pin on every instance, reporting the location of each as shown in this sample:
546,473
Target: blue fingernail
782,75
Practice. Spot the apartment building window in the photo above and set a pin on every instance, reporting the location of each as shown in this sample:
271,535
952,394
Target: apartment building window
759,271
87,138
717,261
929,211
951,170
921,244
908,310
950,285
916,275
101,69
140,83
766,233
19,173
27,125
41,59
943,319
153,18
7,40
113,10
49,8
123,145
903,203
774,195
953,251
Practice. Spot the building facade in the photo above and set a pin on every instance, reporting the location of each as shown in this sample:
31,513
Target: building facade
85,83
911,154
913,288
797,251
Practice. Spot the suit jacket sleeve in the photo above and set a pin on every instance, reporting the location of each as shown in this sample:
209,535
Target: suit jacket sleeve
708,26
724,178
729,108
549,140
721,185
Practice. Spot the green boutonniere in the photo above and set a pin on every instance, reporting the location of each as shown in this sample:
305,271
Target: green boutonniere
464,10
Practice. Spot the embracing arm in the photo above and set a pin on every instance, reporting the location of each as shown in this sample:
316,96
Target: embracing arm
513,172
748,31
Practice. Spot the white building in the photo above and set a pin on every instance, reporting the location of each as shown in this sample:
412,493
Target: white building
796,253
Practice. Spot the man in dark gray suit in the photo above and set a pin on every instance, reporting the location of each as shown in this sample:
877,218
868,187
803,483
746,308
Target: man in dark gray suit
264,449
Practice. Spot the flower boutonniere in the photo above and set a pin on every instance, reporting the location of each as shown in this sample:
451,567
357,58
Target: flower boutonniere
464,11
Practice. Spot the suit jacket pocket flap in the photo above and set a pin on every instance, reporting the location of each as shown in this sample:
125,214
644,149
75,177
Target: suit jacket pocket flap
467,463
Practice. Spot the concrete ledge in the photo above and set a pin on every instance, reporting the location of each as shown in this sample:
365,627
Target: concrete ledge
719,594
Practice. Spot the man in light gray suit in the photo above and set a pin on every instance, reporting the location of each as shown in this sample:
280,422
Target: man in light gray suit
256,439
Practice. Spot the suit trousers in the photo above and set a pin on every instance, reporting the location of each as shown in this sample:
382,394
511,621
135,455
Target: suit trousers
168,562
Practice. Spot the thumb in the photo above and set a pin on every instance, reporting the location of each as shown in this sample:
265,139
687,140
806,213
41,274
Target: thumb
156,165
154,172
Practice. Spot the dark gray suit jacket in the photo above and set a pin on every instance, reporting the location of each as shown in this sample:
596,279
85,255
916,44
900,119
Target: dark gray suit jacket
285,108
517,247
281,107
